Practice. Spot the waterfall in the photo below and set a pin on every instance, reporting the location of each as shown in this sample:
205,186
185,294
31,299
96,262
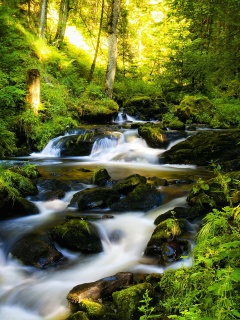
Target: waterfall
124,117
103,145
53,147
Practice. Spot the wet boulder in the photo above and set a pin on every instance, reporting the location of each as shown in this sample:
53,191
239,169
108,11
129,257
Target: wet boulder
154,135
19,207
101,177
127,300
97,197
54,185
128,184
37,250
99,290
93,310
94,298
202,148
50,195
168,241
144,197
145,107
188,213
78,235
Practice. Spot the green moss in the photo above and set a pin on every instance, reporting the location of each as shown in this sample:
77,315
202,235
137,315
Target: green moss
80,315
95,310
127,301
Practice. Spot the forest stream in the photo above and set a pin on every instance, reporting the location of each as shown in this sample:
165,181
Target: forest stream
28,293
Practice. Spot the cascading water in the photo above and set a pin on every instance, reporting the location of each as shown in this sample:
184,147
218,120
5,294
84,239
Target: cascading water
53,147
28,293
124,117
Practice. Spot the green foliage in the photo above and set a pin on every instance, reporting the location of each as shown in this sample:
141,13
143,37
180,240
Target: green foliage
198,109
145,307
209,289
200,185
227,113
7,140
15,181
170,120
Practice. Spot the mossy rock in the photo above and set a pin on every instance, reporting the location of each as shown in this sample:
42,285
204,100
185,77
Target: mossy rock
164,231
98,111
126,185
153,135
144,197
204,147
127,301
188,213
95,310
36,250
198,109
79,315
145,108
98,197
77,145
78,235
166,242
100,177
19,207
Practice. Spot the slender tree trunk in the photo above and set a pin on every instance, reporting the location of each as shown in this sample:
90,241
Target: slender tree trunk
62,22
97,45
43,18
33,89
112,47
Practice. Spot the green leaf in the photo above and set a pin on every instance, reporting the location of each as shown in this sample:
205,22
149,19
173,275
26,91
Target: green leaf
236,274
236,313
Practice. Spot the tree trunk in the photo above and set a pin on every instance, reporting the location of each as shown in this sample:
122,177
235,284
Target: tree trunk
97,45
33,89
112,47
43,18
62,22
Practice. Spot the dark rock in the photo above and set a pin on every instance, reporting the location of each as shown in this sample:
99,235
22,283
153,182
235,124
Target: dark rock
50,195
156,181
126,185
204,147
100,289
172,250
37,250
76,146
143,198
94,198
10,208
78,235
101,177
54,185
189,213
168,241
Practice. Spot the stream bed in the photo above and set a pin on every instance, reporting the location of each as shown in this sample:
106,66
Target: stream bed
34,294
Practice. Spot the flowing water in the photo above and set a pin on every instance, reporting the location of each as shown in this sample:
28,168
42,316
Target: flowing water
28,293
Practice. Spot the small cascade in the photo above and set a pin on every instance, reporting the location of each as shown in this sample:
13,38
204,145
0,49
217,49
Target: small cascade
128,148
103,145
53,147
124,117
